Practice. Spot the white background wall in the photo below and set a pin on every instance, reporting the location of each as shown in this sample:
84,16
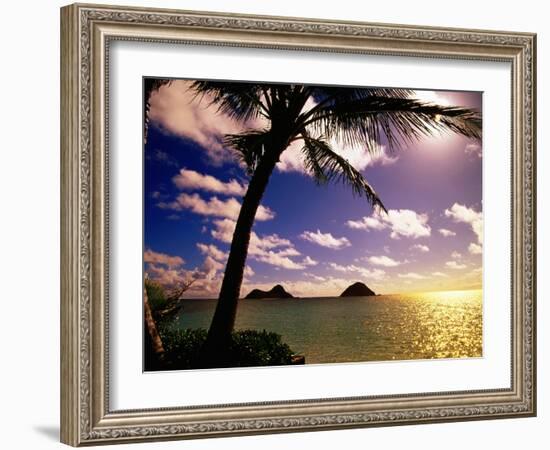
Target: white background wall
29,222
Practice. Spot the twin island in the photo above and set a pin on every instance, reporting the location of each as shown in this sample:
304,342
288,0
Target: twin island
357,289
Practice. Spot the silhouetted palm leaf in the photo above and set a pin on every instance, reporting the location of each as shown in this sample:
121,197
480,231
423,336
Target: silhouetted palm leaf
399,120
327,165
331,95
250,146
240,101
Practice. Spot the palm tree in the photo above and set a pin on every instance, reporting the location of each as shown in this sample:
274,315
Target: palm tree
352,116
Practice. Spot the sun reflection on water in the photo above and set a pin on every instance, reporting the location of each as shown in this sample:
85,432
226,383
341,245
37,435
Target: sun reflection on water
429,325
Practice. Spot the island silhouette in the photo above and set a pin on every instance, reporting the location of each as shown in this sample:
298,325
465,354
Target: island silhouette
276,291
356,289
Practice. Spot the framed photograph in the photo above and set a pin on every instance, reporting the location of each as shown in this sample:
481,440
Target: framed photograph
276,224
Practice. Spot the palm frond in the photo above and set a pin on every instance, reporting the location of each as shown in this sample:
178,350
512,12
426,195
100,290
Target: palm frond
153,84
400,120
240,101
333,95
326,165
338,94
250,146
150,85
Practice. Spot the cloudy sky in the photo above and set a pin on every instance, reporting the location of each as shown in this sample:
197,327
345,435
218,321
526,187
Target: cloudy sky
314,240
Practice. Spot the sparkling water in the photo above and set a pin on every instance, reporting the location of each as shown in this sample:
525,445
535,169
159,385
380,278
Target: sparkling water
351,329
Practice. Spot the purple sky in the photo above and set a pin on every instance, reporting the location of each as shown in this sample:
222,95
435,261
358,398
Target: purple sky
313,240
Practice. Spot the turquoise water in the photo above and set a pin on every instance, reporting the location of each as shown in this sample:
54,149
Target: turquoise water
386,327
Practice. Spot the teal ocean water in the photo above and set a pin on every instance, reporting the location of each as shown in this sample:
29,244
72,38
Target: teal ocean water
381,328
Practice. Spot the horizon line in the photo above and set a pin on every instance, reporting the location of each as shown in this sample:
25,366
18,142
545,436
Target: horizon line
339,296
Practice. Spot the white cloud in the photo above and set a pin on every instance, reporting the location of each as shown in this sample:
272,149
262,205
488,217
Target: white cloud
315,277
210,267
270,249
401,222
206,278
456,255
411,276
248,272
272,241
473,149
290,251
176,109
308,261
376,274
189,179
166,270
223,230
431,97
461,213
439,274
325,239
475,249
455,265
167,276
383,261
421,248
260,244
275,259
446,233
366,223
213,251
228,208
341,268
153,257
292,158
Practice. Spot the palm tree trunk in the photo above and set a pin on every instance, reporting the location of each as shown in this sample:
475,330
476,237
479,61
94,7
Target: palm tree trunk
154,337
219,334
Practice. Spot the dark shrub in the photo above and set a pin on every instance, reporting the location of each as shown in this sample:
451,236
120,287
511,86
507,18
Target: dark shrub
182,347
248,348
259,348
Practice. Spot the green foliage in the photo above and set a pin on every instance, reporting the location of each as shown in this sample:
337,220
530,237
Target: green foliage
248,348
155,295
182,348
259,348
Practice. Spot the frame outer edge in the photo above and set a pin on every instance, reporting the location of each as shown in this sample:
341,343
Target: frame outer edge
70,299
533,227
81,414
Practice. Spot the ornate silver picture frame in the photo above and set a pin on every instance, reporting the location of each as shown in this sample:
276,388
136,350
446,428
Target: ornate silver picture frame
87,34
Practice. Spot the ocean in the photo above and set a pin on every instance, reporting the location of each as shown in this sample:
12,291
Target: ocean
380,328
